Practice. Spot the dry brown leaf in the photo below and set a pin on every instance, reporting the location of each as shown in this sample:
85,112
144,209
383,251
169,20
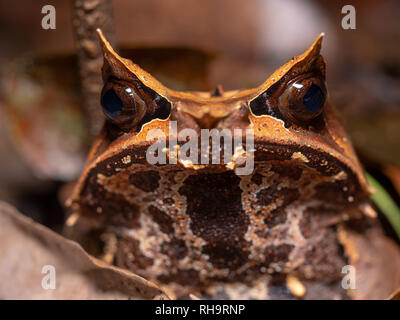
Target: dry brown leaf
395,295
26,247
377,261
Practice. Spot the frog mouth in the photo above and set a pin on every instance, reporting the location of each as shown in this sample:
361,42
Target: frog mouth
322,163
107,159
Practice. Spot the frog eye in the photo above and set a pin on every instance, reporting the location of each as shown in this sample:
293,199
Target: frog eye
112,104
122,105
303,100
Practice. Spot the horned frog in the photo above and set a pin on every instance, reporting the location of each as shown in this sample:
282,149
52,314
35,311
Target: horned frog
281,231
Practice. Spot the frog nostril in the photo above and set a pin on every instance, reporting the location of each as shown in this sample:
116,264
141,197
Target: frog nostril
218,91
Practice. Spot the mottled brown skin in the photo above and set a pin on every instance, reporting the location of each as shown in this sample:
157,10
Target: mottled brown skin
206,231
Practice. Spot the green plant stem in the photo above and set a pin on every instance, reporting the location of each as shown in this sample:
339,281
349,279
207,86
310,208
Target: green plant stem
385,203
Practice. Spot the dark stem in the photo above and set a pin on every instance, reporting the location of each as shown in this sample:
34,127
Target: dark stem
88,15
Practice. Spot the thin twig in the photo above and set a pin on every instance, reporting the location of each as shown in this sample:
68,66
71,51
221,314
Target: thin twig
88,15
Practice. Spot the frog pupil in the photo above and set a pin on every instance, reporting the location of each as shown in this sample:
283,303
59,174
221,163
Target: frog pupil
314,98
112,104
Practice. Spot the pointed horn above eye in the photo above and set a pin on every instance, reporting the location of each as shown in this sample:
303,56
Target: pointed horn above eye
125,69
315,47
310,59
310,54
105,45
